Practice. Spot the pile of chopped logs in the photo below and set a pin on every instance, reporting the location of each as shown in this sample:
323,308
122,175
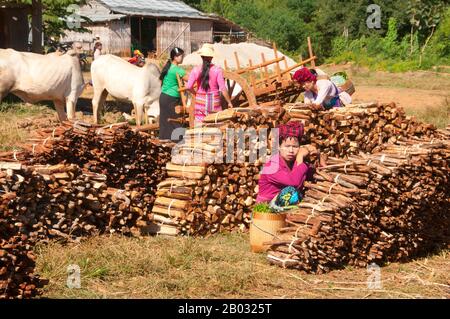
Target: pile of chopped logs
392,205
213,174
62,202
356,128
102,180
17,261
129,159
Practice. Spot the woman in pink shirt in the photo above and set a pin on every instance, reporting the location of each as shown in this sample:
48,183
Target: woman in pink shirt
210,83
284,174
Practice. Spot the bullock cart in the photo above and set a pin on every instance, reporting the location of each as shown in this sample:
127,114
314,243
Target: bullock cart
253,85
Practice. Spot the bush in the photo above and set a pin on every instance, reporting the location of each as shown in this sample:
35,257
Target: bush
392,54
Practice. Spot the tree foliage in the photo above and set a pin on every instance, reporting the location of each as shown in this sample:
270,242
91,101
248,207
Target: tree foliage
333,25
55,14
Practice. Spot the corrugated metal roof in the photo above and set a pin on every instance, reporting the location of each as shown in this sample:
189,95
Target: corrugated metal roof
97,12
154,8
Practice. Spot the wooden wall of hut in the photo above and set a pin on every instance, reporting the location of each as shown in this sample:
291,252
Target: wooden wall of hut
201,32
115,37
14,28
171,34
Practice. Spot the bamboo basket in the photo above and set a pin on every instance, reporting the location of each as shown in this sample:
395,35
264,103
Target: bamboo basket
348,87
263,229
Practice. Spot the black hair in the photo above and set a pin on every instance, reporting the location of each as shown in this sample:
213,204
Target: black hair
204,76
173,54
314,72
281,139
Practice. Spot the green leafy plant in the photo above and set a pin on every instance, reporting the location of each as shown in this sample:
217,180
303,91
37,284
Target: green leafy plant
262,208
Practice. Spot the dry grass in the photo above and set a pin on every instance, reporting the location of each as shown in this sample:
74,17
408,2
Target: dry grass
18,121
13,118
221,266
424,80
438,115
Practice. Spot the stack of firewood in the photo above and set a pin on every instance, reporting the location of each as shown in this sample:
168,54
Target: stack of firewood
388,206
356,128
17,261
213,174
203,200
129,159
61,201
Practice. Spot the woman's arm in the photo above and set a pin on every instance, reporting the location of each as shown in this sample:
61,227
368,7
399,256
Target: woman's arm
324,88
222,87
296,177
227,98
309,98
191,80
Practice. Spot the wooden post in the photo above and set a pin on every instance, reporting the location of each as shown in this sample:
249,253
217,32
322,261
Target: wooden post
225,64
182,89
238,65
266,71
252,76
140,32
311,54
286,66
36,26
277,66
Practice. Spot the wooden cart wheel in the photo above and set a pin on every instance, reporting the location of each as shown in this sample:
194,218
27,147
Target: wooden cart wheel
245,97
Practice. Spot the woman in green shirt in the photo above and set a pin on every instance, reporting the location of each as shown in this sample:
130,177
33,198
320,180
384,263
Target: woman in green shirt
170,96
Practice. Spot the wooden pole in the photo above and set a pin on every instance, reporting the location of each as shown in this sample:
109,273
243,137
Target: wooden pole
252,76
286,66
182,91
267,79
140,32
277,66
266,71
311,54
36,26
238,65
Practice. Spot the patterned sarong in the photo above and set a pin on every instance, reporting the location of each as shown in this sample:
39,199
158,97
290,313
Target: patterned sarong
206,103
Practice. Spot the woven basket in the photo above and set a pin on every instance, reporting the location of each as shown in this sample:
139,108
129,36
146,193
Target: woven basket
348,87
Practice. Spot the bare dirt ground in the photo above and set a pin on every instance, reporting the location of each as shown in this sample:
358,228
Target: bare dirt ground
404,97
410,90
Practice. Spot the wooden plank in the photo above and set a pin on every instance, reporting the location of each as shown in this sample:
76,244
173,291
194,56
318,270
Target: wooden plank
187,168
155,229
12,166
172,202
174,212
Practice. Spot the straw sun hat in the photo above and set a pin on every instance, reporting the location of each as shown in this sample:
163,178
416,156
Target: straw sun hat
207,50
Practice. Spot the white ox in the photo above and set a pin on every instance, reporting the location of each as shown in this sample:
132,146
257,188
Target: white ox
125,82
36,77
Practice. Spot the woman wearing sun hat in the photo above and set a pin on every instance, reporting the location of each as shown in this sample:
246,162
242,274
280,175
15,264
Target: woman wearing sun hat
210,84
